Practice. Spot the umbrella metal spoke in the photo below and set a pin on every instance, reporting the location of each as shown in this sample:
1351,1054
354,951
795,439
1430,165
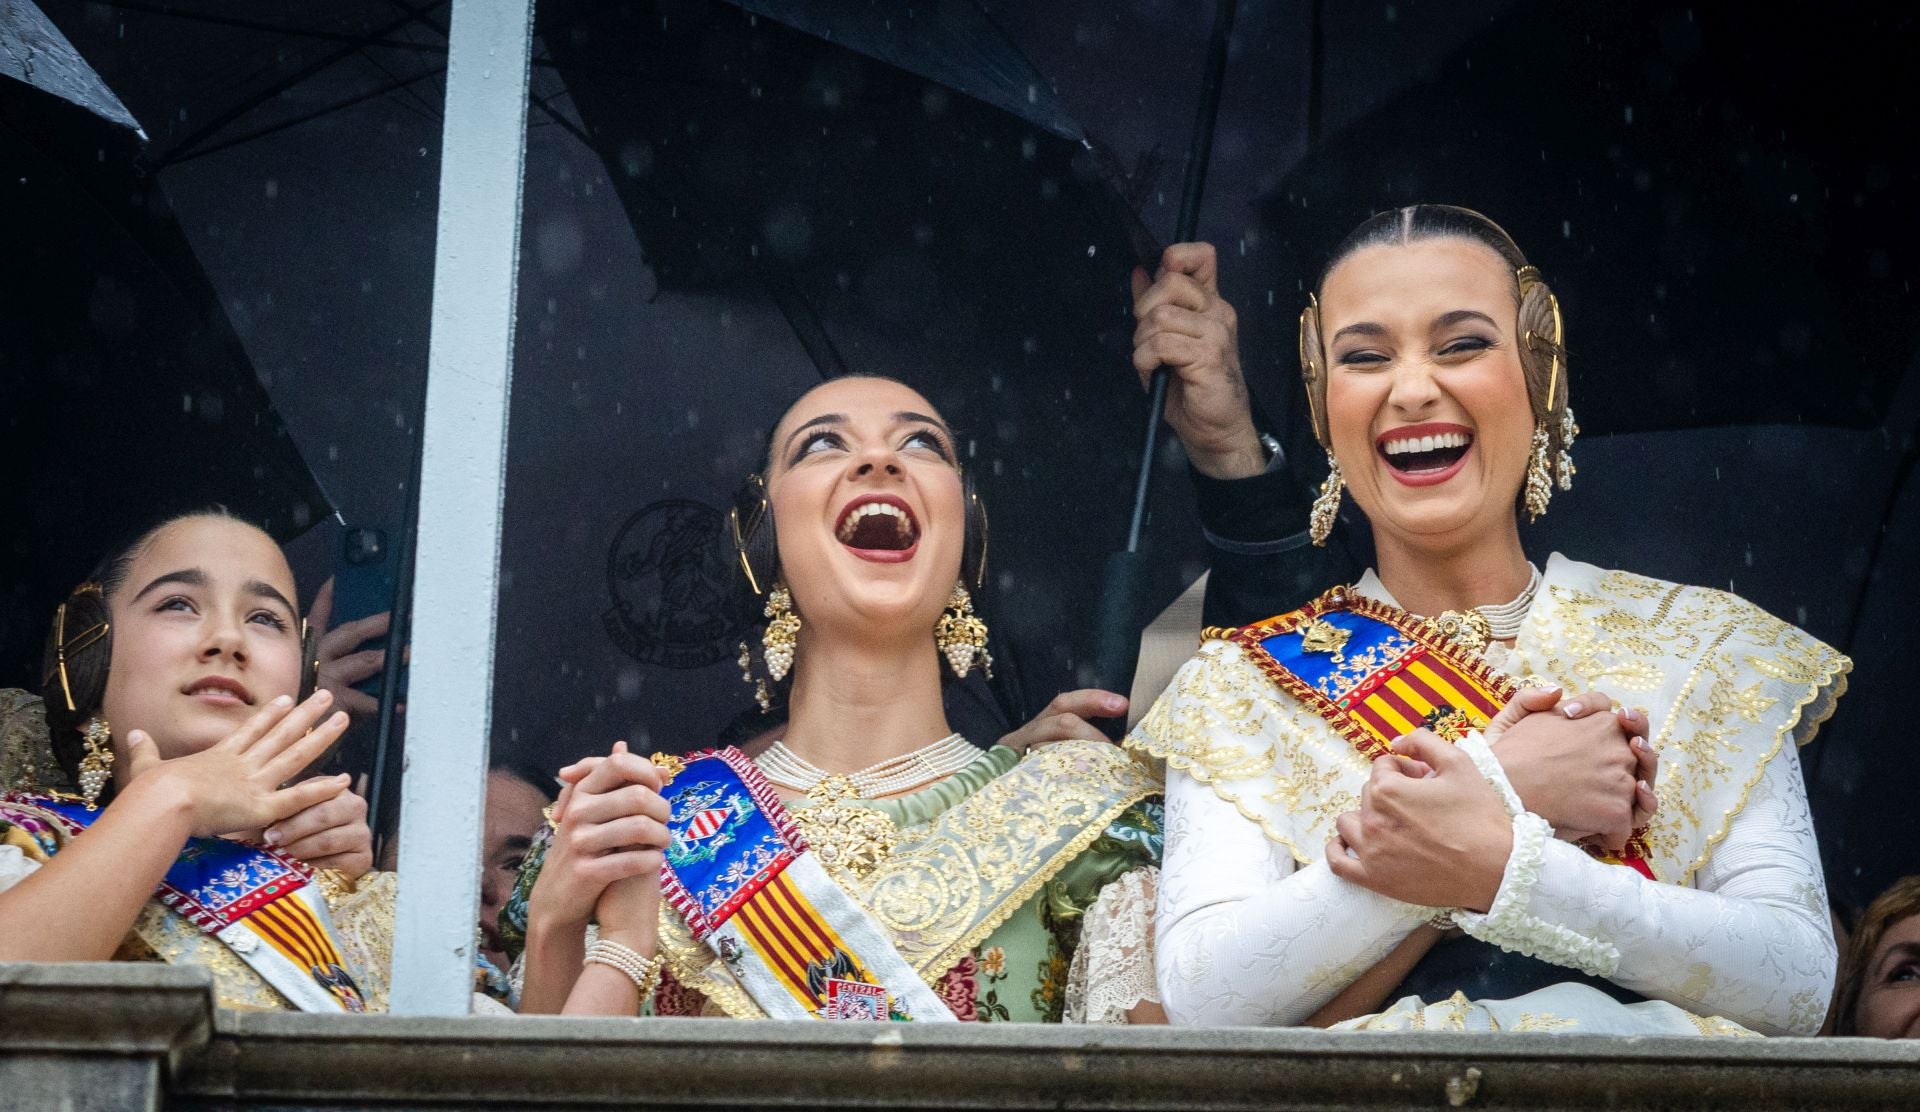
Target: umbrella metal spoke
265,27
261,133
180,151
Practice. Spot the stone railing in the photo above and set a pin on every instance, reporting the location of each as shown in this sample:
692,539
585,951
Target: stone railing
86,1037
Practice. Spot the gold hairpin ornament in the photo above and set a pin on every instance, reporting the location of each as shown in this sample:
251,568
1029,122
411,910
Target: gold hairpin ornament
1310,359
61,646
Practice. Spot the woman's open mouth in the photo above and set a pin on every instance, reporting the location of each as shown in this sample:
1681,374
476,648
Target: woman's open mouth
879,527
1422,455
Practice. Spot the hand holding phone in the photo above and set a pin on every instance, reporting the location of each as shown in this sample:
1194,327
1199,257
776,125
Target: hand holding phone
359,597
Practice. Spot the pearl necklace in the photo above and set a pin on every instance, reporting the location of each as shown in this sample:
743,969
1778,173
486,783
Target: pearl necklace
1475,629
893,776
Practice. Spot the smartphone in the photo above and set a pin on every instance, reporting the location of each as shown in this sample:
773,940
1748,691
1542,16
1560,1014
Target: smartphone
365,572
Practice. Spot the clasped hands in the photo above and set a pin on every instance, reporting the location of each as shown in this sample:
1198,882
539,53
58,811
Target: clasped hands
609,837
610,827
1431,830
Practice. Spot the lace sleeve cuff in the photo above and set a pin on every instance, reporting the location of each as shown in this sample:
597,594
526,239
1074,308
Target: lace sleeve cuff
1475,746
1112,969
1511,925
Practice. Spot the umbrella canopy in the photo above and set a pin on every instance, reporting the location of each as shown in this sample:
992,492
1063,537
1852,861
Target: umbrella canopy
34,52
1729,253
129,396
754,155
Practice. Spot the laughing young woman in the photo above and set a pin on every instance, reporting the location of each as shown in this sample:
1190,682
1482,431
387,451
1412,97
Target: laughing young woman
870,864
1308,843
145,809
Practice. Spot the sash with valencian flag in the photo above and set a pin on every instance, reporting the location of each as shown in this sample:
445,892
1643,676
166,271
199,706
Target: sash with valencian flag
740,874
259,902
1374,672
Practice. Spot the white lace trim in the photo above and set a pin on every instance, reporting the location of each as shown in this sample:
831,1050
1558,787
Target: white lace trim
1509,924
1112,970
1475,746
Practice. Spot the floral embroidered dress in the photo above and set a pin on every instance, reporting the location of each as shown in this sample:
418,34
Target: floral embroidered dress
1020,890
1731,938
36,823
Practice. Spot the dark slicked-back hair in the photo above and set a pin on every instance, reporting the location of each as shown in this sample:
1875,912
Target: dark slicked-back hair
87,658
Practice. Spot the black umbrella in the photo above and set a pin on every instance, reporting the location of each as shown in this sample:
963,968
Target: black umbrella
1735,257
129,397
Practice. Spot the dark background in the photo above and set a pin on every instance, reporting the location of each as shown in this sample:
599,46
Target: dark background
1719,196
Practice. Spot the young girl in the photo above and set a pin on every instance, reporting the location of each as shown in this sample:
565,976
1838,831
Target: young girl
152,809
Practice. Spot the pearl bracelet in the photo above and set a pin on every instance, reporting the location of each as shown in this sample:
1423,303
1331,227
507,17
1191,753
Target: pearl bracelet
644,972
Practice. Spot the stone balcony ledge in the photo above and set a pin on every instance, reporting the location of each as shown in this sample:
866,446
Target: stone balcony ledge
85,1022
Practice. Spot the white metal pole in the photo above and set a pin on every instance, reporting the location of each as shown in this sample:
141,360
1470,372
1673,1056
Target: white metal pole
462,476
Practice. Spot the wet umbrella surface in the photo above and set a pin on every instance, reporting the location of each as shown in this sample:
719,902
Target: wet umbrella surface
128,395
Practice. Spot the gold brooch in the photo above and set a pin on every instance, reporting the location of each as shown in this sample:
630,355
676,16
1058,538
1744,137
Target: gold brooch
848,839
1322,636
1466,629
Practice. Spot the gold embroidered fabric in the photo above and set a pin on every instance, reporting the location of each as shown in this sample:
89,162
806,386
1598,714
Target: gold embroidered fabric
1724,682
26,760
1254,931
1559,1009
363,926
362,919
949,884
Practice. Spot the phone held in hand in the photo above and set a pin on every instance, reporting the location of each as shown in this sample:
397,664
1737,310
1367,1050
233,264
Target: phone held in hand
364,574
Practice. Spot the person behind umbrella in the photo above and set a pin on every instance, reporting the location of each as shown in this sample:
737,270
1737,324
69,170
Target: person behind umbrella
1308,838
870,863
139,792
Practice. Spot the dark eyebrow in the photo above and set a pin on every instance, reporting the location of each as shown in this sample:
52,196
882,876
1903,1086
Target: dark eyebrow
1448,319
907,415
1899,951
262,589
186,577
823,419
1364,328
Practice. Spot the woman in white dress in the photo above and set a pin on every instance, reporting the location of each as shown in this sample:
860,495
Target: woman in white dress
1332,788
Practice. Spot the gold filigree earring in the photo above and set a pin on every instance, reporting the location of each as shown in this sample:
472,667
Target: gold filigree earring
1563,468
783,632
1539,490
1326,508
961,635
97,766
760,693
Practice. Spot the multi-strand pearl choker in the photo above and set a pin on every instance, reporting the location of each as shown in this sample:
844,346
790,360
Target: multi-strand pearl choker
1475,629
893,776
